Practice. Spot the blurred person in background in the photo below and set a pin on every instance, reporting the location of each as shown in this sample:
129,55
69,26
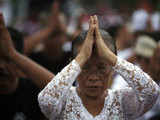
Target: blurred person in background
144,51
37,10
18,96
53,36
146,17
154,70
141,54
125,42
141,15
125,39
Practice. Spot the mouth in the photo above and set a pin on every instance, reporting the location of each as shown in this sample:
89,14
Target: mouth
93,87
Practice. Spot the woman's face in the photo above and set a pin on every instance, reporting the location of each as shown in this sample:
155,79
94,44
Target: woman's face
94,77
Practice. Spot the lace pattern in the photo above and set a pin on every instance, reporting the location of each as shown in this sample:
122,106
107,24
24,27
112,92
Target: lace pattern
143,91
60,101
53,96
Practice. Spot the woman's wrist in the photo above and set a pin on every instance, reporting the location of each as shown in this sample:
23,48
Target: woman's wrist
81,60
110,57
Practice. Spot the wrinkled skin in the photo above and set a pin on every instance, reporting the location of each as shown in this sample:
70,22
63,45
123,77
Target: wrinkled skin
93,79
95,63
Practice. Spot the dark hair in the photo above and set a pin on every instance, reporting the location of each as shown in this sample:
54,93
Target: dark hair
17,38
113,30
111,43
155,35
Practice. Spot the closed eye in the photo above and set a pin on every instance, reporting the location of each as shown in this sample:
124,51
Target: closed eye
101,67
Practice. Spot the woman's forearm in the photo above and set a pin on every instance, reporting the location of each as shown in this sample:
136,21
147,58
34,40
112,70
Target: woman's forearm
57,90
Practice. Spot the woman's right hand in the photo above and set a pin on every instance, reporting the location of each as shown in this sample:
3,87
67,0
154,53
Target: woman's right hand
86,49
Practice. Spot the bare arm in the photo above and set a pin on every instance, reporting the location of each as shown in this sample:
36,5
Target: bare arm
54,23
38,74
30,42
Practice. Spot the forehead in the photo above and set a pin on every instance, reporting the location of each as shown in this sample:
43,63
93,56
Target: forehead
95,62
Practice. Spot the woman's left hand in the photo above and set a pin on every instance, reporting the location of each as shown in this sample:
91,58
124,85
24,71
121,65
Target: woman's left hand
103,51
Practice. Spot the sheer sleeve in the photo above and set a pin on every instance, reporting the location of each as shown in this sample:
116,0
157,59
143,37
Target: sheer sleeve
143,91
53,97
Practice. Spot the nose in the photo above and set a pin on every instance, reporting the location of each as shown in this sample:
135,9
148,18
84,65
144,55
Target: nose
93,78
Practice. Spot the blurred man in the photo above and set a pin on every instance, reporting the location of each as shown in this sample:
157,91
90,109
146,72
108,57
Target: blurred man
52,36
18,97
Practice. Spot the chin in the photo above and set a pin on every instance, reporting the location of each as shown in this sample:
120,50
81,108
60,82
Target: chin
93,94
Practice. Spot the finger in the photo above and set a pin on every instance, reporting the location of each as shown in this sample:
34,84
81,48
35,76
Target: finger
91,21
2,24
97,32
96,21
91,27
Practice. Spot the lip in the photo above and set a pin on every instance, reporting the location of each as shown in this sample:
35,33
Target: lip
93,88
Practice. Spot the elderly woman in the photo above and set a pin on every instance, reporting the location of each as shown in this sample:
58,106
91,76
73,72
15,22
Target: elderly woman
91,100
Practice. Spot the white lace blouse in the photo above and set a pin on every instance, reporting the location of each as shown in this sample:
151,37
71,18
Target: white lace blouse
60,101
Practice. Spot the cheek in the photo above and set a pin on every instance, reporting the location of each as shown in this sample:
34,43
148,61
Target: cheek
82,81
